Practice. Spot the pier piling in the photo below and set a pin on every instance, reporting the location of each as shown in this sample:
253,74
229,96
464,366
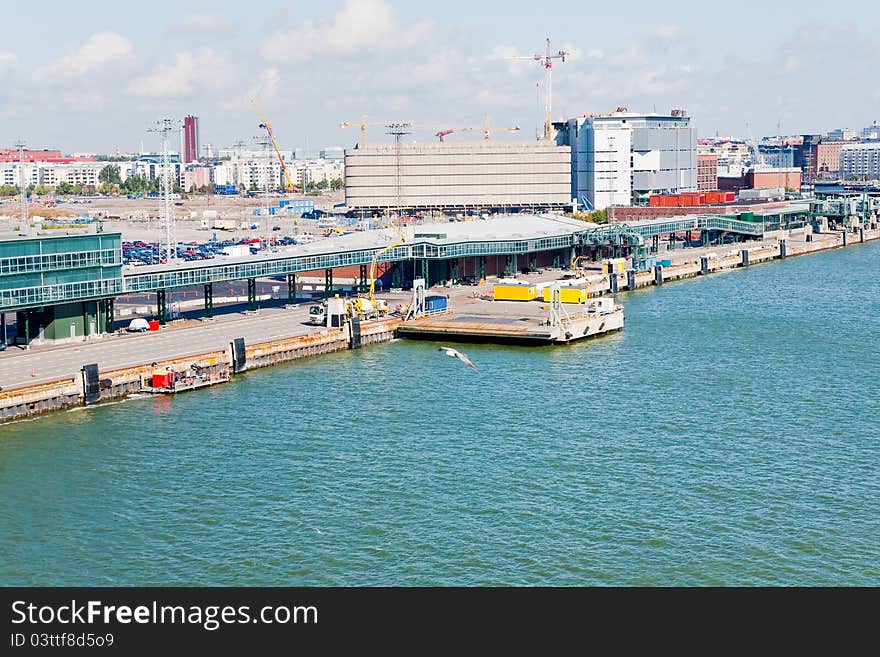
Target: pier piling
783,249
630,279
704,266
612,278
658,275
745,257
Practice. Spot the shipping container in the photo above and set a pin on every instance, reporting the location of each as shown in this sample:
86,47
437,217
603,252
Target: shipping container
435,304
526,292
162,379
567,294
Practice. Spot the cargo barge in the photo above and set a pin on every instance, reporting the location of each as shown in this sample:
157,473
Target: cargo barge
504,323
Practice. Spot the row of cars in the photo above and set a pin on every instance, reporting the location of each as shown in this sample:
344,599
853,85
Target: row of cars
153,253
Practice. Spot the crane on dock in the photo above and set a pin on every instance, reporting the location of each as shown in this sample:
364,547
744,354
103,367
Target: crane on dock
401,238
546,61
264,124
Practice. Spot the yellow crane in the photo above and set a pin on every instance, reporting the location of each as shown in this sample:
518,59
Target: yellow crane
289,186
488,129
374,263
363,126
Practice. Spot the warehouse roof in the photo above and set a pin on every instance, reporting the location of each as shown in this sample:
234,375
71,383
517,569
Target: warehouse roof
504,227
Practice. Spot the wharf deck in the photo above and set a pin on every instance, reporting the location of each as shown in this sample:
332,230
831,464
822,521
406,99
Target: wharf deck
511,329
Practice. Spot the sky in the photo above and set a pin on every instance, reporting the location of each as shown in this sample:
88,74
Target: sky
95,76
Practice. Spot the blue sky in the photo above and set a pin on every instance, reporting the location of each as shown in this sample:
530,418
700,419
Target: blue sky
95,76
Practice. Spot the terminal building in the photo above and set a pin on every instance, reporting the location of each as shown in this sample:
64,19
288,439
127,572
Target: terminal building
480,176
61,288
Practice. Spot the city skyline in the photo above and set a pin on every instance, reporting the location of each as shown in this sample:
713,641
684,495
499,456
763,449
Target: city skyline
109,75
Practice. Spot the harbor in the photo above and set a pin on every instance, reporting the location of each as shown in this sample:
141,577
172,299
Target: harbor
54,378
555,466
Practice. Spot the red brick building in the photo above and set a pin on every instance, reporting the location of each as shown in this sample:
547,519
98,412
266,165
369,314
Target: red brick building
827,161
707,173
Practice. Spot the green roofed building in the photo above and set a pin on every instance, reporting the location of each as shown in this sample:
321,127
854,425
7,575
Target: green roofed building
60,287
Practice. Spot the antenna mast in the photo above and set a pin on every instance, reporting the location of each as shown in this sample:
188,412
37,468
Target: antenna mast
22,189
398,130
164,126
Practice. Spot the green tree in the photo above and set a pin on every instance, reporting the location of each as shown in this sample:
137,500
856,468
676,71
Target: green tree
110,174
337,183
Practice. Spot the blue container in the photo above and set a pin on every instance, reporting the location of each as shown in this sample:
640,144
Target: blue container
435,304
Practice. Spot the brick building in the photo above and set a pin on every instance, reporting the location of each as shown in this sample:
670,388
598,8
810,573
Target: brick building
707,173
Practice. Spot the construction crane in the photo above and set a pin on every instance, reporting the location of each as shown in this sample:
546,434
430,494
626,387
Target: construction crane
363,126
444,133
487,130
546,61
289,186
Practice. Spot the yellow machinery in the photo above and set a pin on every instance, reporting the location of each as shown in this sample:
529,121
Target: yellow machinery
375,262
574,263
289,186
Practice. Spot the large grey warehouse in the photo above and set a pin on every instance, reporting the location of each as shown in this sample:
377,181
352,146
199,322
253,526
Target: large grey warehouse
491,176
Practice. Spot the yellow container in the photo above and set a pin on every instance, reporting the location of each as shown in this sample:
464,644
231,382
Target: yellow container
614,265
515,292
567,294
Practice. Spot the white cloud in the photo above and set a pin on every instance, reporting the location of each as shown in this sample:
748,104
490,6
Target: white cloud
264,90
103,49
203,23
8,60
184,77
595,53
359,27
666,32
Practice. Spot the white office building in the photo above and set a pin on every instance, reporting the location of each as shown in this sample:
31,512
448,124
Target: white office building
860,161
623,157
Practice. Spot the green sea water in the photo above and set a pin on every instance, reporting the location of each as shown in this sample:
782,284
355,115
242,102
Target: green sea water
728,436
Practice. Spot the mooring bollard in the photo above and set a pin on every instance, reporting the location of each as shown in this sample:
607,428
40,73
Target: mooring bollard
745,257
704,266
658,275
783,249
612,278
631,279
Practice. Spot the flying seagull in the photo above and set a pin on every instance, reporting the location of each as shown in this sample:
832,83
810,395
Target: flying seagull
449,351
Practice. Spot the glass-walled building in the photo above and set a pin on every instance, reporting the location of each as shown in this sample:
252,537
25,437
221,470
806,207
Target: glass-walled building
62,287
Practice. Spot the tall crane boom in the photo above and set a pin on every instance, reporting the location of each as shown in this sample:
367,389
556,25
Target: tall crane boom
289,186
546,61
375,261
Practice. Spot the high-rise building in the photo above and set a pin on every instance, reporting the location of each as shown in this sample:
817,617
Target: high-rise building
191,139
623,157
